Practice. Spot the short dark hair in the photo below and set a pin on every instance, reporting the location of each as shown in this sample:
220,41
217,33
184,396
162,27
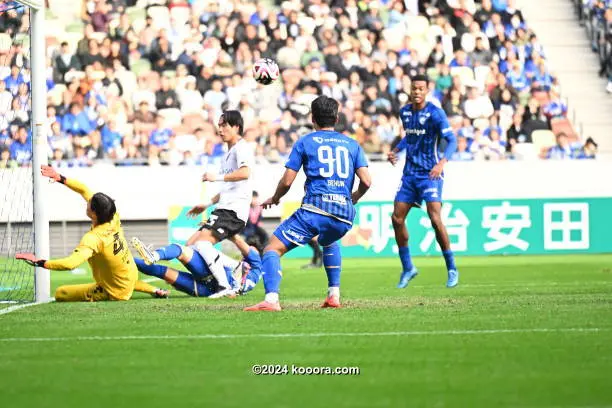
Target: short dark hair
104,207
233,118
324,111
420,77
255,193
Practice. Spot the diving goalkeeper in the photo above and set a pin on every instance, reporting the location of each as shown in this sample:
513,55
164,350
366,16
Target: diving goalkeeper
104,247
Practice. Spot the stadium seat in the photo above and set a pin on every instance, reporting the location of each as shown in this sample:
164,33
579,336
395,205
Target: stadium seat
433,74
5,43
173,117
136,13
75,27
563,125
56,94
180,15
140,66
72,39
543,139
417,26
160,16
99,36
466,74
525,151
481,73
481,123
394,37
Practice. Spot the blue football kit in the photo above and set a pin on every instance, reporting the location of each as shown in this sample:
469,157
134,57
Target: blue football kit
423,130
330,160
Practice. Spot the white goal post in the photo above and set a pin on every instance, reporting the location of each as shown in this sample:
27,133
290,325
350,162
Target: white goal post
42,281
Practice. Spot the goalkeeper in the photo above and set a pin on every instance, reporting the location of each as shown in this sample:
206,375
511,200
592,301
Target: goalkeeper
104,247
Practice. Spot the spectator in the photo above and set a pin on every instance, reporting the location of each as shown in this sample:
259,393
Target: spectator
462,153
20,148
65,62
562,150
166,97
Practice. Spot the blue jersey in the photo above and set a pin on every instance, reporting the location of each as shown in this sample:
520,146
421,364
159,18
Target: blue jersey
330,160
424,129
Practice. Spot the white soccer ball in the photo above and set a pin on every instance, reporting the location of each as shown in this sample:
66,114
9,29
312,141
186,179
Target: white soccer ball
265,71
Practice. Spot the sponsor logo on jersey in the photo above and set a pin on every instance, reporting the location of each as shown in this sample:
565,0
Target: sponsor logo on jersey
418,132
334,198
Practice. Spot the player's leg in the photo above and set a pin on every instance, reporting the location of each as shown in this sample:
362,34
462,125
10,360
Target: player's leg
294,231
89,292
221,225
317,255
434,210
154,291
251,255
330,232
432,194
182,281
405,199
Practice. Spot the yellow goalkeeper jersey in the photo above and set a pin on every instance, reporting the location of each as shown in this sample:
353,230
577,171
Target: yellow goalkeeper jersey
107,252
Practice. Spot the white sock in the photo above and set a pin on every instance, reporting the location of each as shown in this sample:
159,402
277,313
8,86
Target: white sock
271,297
213,260
333,291
229,262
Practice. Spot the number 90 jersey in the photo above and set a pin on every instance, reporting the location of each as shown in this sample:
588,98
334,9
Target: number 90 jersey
330,160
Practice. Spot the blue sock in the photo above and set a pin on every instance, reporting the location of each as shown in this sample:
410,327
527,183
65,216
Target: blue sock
272,276
254,260
197,266
404,254
169,252
449,258
152,270
187,284
332,259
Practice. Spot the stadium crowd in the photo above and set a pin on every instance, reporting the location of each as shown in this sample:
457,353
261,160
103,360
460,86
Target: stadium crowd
596,16
143,83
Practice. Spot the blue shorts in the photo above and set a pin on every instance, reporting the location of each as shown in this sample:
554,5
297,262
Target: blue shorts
304,225
416,189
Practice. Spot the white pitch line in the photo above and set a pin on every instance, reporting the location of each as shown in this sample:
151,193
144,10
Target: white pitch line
301,335
16,307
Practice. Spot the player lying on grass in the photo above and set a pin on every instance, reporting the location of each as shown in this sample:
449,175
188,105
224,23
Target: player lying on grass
199,282
232,203
330,160
104,247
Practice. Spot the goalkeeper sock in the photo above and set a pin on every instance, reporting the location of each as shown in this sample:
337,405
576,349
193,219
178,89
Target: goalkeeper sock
213,260
404,254
449,258
332,259
169,252
272,275
152,270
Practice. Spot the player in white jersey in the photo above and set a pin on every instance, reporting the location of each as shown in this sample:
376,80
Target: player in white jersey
232,205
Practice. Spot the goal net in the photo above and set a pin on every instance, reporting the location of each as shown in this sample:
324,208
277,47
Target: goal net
17,228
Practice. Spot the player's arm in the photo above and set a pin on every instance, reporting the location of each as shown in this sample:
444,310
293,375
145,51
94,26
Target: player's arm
81,254
445,132
399,147
243,173
365,180
292,167
74,185
199,209
282,188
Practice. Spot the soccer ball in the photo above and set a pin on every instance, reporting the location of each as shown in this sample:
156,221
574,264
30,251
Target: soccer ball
265,71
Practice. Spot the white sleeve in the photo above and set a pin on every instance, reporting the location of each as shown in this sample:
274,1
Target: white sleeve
245,155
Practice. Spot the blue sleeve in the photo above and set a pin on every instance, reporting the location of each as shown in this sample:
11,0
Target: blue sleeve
296,157
361,160
402,144
446,132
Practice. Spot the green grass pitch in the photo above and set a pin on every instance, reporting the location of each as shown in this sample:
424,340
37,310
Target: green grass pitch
517,332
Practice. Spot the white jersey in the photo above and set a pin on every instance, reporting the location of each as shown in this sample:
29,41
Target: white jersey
237,196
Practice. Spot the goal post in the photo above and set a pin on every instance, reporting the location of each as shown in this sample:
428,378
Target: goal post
42,280
24,218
